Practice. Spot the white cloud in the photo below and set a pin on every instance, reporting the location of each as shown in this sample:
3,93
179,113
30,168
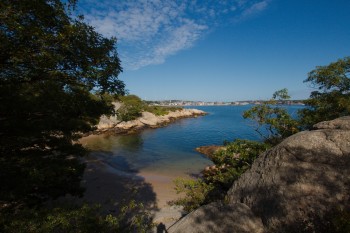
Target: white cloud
253,10
149,31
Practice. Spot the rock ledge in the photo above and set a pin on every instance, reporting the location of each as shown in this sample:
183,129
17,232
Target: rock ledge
147,120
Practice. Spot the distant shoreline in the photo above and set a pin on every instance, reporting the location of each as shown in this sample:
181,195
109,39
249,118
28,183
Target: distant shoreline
223,105
243,104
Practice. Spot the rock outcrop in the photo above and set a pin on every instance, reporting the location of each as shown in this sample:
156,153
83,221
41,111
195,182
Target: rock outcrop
209,151
290,188
147,120
217,217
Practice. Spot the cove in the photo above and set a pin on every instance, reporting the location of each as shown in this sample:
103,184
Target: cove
160,155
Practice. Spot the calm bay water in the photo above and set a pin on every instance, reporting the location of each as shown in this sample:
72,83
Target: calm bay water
171,150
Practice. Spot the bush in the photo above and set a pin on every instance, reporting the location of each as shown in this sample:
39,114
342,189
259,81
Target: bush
230,163
161,110
196,193
272,121
132,218
132,107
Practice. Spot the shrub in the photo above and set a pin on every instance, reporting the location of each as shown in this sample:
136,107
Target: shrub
272,121
132,107
161,110
73,219
230,163
196,193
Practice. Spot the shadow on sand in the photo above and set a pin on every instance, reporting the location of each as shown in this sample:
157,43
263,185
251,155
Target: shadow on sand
113,185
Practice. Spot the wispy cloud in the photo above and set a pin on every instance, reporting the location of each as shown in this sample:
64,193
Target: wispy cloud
149,31
253,9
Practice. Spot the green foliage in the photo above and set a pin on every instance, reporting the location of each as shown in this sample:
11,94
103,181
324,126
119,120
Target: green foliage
54,73
132,107
196,193
332,97
281,95
331,101
230,163
132,218
273,122
161,110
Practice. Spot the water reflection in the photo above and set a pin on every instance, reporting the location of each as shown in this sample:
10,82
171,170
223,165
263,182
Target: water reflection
171,149
132,143
113,143
160,155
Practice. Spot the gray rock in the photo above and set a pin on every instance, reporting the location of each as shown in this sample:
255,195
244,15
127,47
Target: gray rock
339,123
166,217
150,119
146,120
300,180
290,188
216,217
107,122
209,151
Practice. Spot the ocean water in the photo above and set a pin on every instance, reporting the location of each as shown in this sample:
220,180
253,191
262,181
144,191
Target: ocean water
171,150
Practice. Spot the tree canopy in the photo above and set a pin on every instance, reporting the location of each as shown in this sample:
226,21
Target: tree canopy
331,99
54,73
272,121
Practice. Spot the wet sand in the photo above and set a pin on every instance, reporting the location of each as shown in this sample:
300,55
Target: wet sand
163,187
112,178
106,185
111,188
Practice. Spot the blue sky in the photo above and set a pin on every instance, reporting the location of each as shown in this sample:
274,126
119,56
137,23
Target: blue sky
221,50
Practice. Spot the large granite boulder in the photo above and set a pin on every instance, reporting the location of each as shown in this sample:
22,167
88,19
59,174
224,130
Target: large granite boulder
339,123
301,180
293,186
219,218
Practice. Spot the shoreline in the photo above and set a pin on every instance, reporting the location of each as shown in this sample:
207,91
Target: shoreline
109,185
146,120
111,188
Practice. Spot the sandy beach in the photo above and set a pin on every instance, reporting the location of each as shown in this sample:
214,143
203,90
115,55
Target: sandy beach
111,188
106,179
138,167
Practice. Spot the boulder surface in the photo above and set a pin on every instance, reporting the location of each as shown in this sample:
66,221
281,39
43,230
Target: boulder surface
292,187
218,218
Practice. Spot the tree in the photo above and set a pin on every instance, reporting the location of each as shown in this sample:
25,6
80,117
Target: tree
332,97
273,122
131,108
54,73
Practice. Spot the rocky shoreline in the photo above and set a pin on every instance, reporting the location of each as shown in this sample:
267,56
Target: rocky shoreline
147,120
209,151
300,185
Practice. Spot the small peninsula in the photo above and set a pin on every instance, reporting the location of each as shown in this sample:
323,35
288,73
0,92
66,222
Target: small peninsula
146,119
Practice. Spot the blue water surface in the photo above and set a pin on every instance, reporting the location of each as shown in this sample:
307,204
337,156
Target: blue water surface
172,148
